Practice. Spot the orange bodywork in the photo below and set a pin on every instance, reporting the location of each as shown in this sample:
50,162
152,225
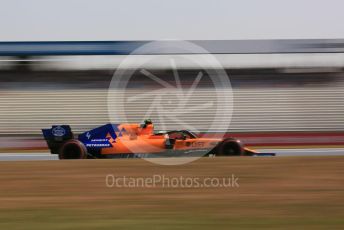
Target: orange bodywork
138,139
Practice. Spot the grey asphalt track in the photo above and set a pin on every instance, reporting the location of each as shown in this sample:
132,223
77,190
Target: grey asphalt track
279,152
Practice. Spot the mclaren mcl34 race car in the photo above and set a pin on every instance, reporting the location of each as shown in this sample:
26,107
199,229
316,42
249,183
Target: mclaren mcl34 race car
138,140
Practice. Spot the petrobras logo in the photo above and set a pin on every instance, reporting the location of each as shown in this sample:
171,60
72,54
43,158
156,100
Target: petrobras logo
100,143
58,131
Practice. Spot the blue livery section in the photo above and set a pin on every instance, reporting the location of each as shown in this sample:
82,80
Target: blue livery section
58,132
56,136
101,137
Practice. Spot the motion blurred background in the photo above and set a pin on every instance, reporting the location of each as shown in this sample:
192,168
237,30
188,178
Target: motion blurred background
284,59
285,62
286,92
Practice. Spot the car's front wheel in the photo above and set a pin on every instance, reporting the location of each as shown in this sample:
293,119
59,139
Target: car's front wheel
231,147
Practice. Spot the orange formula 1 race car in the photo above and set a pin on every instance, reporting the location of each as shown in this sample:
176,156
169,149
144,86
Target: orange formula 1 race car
138,140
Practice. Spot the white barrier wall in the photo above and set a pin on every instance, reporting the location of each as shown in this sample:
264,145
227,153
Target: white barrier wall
264,109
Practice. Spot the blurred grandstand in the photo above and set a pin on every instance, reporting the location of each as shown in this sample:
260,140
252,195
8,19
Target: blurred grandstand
285,91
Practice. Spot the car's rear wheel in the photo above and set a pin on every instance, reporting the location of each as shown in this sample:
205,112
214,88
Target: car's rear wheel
73,149
231,147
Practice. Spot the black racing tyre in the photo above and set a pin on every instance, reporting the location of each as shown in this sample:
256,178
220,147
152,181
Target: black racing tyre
231,147
73,149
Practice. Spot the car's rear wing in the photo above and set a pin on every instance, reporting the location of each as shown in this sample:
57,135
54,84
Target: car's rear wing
56,136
